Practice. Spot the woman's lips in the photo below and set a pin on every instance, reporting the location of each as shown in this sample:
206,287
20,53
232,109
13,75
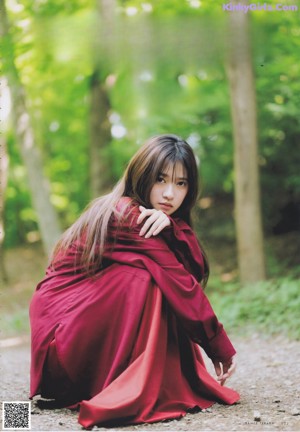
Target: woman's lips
166,206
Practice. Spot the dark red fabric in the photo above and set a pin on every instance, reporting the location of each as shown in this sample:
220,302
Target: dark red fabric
126,339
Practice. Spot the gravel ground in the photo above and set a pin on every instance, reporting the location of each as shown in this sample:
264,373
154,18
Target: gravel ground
267,378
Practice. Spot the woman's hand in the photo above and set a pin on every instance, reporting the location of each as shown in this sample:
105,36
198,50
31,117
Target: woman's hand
224,370
156,222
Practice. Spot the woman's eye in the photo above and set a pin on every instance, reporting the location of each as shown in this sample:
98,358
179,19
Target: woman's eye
160,179
182,183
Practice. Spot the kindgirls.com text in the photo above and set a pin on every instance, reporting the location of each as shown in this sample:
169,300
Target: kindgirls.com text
279,7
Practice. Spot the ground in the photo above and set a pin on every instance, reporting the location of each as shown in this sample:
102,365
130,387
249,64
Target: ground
267,379
267,376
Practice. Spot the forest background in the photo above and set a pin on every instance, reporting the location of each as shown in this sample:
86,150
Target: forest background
84,83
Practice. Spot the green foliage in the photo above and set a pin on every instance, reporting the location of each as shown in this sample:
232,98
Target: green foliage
278,97
270,307
163,68
15,323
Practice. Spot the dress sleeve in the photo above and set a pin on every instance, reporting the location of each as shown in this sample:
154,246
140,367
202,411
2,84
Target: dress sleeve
178,285
182,240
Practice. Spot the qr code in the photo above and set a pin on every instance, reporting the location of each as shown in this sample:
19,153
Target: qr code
16,415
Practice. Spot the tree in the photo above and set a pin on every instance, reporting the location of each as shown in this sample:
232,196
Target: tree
39,187
100,135
247,190
3,183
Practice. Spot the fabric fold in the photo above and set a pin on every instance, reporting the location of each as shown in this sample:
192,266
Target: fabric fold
124,343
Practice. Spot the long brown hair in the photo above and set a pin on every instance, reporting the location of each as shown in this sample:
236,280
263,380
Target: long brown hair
142,172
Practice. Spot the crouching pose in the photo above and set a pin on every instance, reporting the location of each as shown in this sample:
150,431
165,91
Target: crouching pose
118,320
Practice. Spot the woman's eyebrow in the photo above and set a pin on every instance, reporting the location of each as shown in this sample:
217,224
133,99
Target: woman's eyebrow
177,178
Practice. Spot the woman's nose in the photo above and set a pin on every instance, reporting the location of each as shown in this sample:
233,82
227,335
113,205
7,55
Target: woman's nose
168,192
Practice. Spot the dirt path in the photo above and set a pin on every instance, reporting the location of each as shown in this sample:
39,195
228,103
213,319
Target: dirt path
268,379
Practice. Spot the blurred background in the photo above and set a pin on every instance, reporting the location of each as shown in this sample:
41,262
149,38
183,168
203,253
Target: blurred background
84,83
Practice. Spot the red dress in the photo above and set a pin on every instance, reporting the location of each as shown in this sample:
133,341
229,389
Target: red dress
125,342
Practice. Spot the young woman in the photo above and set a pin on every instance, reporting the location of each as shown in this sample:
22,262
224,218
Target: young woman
119,317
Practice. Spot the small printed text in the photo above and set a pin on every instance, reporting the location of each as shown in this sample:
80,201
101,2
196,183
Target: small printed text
279,7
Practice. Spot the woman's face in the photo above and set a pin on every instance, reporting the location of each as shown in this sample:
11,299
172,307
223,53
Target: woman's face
170,189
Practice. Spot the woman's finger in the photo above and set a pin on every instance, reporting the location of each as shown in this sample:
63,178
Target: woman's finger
144,213
230,367
157,227
218,369
156,222
228,370
165,222
154,225
151,219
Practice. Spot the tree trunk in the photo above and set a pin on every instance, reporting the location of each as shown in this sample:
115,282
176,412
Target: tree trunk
3,184
247,190
39,186
100,137
101,179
